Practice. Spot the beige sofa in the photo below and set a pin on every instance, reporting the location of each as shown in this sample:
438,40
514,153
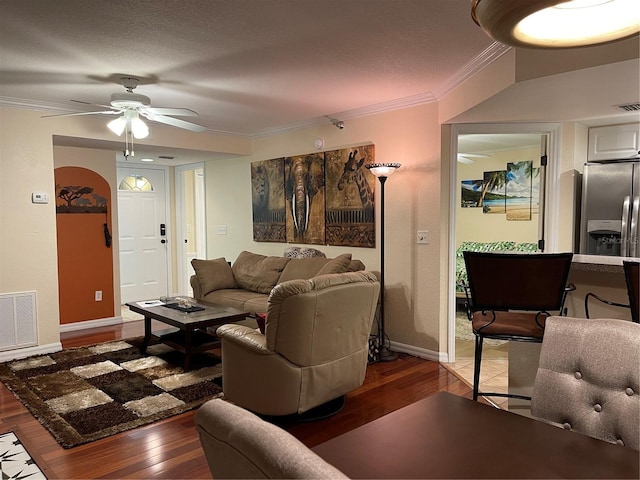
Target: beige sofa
314,348
246,283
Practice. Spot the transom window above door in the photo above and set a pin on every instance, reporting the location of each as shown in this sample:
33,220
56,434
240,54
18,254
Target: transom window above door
136,183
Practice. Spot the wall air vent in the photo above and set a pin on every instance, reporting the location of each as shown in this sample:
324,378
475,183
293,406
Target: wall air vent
166,157
629,107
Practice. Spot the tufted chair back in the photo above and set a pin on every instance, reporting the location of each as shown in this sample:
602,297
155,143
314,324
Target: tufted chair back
588,379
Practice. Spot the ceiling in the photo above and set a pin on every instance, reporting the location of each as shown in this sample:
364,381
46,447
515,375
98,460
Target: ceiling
248,67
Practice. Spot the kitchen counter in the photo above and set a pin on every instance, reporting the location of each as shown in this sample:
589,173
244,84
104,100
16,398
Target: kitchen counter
599,263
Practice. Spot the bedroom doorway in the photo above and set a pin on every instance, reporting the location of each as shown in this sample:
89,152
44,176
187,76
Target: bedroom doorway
498,203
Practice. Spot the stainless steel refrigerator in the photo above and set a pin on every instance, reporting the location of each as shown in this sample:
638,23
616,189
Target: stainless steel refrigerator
610,209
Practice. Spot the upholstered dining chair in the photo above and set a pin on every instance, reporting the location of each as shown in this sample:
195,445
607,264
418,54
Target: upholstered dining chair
313,351
632,279
239,444
588,378
509,296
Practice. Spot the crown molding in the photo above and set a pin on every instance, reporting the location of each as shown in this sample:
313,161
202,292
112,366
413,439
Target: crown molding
492,53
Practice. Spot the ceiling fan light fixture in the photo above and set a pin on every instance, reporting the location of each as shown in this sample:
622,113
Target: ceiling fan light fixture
557,23
139,128
117,125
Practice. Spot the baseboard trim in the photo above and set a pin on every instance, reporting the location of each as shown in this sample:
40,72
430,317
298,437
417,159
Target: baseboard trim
29,351
100,322
441,357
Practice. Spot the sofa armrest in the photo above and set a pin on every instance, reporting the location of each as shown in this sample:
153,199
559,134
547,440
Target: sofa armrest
247,337
195,285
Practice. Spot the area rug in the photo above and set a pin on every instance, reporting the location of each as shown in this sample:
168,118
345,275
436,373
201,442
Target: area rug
465,332
15,461
83,394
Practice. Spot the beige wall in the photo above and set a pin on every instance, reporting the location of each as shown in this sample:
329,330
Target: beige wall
28,231
409,136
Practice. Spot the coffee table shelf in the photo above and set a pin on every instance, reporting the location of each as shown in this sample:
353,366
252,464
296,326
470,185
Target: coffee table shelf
189,335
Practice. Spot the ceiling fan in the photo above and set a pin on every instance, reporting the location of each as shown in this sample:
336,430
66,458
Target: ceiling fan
131,106
468,158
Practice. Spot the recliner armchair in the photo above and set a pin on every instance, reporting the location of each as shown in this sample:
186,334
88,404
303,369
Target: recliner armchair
314,348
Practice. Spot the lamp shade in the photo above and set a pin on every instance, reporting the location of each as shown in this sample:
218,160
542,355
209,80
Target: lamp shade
117,125
557,23
383,169
139,128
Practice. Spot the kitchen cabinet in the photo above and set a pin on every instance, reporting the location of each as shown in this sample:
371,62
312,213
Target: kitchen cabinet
614,142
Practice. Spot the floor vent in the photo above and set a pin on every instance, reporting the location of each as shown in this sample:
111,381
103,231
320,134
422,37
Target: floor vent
629,107
17,320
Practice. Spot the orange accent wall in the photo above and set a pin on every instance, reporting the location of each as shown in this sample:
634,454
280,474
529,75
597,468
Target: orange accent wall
85,263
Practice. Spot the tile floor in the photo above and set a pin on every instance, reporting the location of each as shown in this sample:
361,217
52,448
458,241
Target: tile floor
494,374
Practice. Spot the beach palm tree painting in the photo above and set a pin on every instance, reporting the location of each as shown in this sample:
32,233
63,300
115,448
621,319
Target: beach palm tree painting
471,190
519,190
493,196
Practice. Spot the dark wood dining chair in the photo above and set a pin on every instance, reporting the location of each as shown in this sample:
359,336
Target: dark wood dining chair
632,279
509,297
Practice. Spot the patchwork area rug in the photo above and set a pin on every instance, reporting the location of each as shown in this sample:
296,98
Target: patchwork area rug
87,393
15,461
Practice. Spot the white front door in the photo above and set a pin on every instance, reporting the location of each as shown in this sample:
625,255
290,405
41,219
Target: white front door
142,223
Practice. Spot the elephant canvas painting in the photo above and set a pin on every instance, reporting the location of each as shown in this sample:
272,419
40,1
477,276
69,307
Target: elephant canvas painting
305,197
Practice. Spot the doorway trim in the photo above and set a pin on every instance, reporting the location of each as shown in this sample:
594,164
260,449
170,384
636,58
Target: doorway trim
200,219
553,131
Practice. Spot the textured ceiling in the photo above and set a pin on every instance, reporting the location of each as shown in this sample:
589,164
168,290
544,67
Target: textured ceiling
248,67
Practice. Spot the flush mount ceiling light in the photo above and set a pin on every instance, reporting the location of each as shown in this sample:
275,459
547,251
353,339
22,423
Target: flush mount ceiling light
556,23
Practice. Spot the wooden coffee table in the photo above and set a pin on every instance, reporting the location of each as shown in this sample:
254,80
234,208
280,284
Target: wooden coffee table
191,336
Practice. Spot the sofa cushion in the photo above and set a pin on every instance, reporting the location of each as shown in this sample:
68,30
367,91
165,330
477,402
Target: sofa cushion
302,268
258,273
250,302
340,264
213,274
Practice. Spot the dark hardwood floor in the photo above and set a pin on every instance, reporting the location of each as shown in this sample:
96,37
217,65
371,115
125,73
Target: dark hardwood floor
171,449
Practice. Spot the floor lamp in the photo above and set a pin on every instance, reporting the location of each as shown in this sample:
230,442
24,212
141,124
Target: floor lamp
382,171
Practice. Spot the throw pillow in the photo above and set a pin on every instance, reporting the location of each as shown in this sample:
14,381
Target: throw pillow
340,264
258,273
213,274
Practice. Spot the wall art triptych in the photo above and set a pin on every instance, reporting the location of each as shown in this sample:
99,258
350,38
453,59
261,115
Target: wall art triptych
324,198
513,192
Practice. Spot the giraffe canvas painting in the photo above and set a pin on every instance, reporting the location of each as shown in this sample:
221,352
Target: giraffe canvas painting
350,213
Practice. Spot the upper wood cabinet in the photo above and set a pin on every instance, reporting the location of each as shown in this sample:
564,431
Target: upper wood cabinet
614,142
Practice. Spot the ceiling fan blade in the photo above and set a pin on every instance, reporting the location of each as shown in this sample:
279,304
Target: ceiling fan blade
88,103
465,160
180,112
476,155
175,122
106,112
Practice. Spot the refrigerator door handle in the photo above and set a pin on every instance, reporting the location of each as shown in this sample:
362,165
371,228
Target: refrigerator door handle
634,249
624,239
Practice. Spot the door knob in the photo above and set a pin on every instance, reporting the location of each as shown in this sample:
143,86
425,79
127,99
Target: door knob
163,241
186,241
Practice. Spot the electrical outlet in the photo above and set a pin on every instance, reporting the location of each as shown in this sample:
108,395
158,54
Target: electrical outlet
98,295
422,236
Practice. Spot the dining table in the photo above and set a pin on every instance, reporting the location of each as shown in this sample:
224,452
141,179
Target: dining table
448,436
